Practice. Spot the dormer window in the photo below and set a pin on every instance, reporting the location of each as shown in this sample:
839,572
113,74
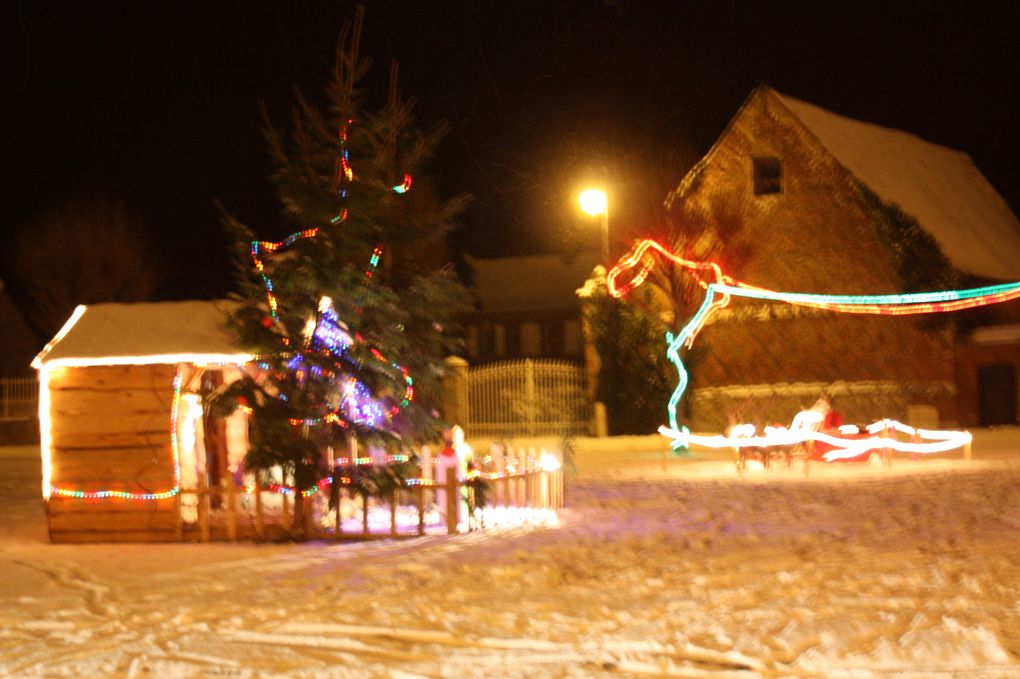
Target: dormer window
768,175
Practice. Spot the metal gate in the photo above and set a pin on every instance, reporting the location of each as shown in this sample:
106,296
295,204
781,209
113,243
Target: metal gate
527,398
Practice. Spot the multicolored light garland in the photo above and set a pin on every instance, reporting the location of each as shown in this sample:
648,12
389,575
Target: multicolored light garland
640,261
328,334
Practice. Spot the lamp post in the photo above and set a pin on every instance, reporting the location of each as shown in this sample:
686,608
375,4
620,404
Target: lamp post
594,202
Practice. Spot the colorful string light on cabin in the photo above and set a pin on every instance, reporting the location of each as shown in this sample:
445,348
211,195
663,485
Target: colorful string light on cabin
638,264
128,495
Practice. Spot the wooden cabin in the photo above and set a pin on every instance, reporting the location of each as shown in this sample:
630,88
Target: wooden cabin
121,420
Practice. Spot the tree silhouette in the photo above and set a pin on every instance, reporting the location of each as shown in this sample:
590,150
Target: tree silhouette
88,251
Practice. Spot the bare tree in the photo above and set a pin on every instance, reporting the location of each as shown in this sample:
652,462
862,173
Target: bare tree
88,251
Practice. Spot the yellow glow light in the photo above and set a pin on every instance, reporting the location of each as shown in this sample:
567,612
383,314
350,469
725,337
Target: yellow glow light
156,359
45,433
548,462
593,201
79,311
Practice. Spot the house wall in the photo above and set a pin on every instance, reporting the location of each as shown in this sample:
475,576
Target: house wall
110,430
813,236
970,358
553,337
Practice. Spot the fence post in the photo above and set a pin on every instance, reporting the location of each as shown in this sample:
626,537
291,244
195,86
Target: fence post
231,516
455,390
452,500
393,511
427,468
204,507
179,525
531,405
419,496
364,515
338,519
260,521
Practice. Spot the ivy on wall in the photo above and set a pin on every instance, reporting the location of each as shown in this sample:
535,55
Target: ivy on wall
917,257
919,261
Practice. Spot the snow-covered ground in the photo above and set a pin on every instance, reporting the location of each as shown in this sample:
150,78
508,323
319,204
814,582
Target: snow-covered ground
658,565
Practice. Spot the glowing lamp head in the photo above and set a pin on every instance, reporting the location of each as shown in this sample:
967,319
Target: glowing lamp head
593,201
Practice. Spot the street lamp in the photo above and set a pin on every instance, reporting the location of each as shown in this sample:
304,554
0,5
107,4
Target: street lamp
594,202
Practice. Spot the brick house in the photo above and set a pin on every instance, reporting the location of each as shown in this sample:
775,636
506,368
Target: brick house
817,202
527,307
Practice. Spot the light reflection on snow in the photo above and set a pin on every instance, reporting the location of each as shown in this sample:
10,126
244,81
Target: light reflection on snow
379,519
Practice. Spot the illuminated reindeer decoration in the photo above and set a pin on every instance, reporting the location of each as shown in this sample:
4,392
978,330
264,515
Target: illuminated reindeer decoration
633,268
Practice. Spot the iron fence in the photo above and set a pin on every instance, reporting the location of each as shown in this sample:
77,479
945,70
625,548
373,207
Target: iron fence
528,398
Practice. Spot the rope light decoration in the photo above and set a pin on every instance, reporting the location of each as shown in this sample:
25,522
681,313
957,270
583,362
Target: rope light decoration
634,268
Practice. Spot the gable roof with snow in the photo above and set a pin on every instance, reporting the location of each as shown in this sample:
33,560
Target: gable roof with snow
144,333
940,187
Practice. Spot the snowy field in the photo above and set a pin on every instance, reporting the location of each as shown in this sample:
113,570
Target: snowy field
658,566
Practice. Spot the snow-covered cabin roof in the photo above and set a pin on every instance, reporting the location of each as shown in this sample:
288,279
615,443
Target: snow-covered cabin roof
151,332
938,186
531,282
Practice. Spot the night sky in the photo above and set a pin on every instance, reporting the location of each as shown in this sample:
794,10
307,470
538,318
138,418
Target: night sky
157,102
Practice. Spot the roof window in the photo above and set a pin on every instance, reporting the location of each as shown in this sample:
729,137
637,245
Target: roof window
768,175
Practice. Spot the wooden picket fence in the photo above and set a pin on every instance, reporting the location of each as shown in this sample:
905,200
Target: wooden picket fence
232,512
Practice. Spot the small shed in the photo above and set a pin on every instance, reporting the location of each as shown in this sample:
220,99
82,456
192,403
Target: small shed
121,418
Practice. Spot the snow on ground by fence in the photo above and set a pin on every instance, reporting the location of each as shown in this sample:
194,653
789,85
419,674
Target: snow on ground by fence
658,566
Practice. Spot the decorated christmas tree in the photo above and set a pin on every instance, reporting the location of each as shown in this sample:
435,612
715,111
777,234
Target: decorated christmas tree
350,316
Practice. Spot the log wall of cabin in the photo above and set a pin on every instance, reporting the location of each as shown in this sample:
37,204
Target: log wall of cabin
110,430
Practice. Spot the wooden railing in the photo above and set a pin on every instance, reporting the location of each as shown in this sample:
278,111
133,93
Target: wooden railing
232,512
